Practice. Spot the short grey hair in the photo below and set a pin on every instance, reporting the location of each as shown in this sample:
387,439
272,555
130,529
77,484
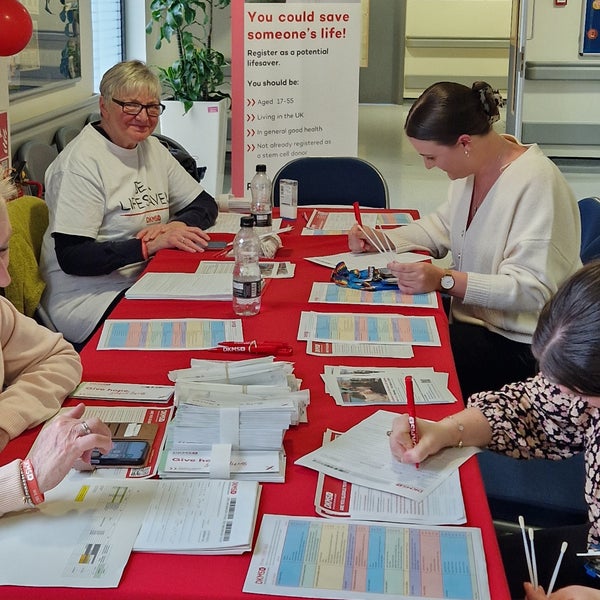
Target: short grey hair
130,77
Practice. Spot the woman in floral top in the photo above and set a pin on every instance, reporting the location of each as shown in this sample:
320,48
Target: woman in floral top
554,415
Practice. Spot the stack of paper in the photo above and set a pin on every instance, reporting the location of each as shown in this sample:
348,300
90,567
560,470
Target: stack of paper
247,422
342,499
345,458
181,286
356,386
253,371
224,429
200,517
123,392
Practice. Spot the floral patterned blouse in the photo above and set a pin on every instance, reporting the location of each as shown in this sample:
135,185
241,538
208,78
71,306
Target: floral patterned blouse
534,419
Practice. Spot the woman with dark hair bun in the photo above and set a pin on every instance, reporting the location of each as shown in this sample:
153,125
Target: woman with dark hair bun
510,222
553,415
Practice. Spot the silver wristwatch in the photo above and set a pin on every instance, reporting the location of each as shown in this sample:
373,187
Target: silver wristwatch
447,281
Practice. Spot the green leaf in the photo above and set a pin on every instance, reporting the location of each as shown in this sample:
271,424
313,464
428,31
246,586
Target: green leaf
198,73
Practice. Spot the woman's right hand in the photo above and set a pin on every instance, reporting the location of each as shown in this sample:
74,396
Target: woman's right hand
359,242
432,438
572,592
66,439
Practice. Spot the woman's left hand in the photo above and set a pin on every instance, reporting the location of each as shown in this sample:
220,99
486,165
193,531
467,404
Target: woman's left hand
174,235
416,278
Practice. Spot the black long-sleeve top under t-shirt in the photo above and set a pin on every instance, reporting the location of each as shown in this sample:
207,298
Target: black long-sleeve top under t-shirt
84,256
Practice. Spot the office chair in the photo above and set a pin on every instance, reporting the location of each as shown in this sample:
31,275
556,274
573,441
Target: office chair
187,161
64,135
337,180
589,212
28,217
36,157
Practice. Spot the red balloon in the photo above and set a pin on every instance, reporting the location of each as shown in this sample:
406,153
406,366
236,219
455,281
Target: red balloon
15,27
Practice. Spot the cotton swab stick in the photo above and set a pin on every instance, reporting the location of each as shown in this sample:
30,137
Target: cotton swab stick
526,546
563,547
376,244
534,581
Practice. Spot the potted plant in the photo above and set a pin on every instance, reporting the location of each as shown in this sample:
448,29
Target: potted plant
197,110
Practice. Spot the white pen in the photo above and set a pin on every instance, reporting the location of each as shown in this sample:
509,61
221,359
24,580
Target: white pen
563,547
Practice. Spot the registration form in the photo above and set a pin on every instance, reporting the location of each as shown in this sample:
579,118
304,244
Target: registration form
315,558
168,334
368,328
81,536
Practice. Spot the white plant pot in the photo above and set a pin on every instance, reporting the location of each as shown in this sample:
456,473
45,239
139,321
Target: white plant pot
202,131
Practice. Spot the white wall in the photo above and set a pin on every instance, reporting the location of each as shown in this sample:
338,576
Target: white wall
456,40
554,103
72,94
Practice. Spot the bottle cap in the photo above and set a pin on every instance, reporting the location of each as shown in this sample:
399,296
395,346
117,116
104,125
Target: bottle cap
247,222
261,168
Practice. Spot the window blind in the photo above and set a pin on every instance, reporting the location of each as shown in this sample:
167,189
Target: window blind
107,32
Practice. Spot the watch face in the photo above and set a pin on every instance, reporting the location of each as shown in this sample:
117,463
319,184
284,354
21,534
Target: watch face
447,282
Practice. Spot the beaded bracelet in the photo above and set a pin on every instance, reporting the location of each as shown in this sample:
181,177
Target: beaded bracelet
32,485
461,428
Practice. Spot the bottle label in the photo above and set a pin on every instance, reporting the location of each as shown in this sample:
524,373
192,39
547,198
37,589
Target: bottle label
262,220
247,289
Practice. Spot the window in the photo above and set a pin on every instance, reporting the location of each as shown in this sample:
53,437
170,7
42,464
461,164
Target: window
107,28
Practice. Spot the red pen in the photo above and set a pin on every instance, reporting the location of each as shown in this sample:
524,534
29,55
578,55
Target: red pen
412,411
357,213
254,347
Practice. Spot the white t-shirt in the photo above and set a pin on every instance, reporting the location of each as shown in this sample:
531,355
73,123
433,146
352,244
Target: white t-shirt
99,190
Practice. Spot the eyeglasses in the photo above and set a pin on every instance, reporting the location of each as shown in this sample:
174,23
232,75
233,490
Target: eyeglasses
135,108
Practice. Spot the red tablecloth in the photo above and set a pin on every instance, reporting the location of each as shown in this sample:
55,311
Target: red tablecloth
161,576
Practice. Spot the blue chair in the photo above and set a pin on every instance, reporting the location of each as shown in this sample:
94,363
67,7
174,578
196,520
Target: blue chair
336,180
589,211
547,493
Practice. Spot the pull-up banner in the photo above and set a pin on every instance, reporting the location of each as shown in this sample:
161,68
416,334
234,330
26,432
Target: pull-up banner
295,68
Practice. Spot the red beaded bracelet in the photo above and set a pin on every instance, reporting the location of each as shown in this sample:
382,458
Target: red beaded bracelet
32,485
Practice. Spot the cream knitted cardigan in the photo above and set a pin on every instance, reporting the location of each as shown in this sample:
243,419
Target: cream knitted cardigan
521,245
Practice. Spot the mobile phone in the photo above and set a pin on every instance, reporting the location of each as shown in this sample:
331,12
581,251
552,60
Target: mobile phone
216,245
124,453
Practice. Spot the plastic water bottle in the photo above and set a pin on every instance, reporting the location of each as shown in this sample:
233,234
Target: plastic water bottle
260,188
247,280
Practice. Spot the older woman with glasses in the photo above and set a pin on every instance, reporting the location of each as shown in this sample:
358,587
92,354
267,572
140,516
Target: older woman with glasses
115,196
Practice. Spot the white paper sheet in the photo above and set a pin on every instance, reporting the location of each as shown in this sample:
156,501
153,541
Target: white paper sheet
81,536
345,458
309,557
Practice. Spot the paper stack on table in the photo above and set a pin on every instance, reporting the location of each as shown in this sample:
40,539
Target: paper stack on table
181,286
355,386
200,517
342,499
232,429
346,458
